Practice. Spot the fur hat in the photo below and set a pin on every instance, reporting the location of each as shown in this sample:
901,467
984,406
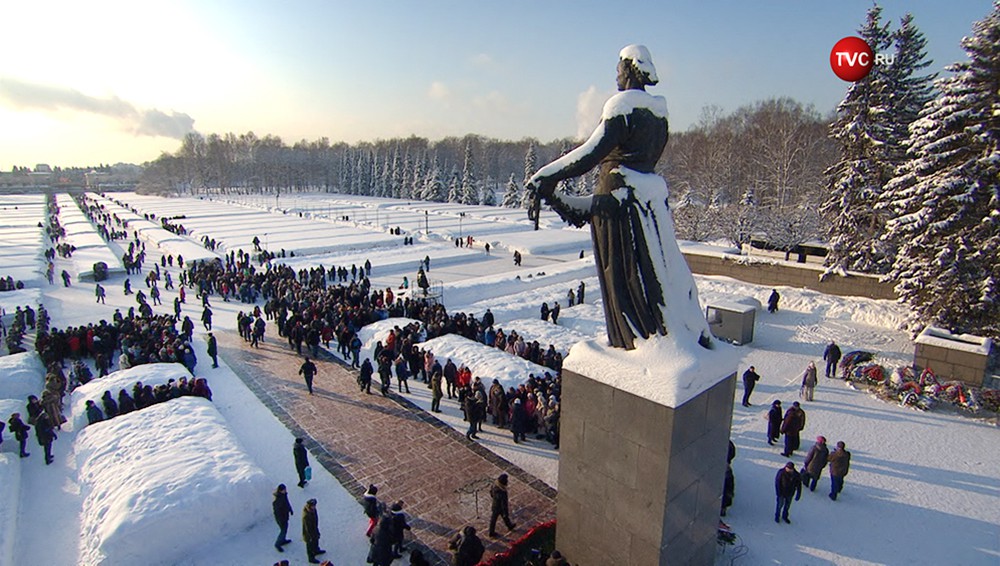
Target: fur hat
502,479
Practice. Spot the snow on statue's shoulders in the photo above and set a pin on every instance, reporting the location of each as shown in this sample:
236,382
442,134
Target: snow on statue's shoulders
623,103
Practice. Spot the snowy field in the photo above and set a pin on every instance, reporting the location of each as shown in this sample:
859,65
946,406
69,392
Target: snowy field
924,488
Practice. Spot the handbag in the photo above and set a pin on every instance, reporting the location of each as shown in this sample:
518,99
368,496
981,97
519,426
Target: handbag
308,473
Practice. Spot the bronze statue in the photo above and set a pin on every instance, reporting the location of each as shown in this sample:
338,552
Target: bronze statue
639,264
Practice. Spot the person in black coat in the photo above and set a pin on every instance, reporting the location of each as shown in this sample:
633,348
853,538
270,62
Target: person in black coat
380,553
518,421
791,427
772,301
832,357
787,484
45,435
20,431
373,508
501,506
399,526
750,379
467,547
110,406
282,511
774,417
385,374
365,377
301,460
308,370
94,414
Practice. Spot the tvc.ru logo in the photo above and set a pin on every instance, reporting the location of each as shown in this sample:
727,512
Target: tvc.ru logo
851,59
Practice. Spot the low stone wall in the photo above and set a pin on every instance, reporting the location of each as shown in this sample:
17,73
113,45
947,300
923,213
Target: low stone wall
773,273
948,364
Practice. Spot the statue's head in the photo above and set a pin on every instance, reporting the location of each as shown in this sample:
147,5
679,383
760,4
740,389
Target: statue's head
635,67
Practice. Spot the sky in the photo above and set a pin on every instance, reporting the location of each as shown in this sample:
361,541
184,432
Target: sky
116,81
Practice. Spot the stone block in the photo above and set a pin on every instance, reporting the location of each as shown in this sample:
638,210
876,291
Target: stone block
589,397
689,422
651,474
641,421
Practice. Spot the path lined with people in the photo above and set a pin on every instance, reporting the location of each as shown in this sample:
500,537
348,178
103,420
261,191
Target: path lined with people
387,441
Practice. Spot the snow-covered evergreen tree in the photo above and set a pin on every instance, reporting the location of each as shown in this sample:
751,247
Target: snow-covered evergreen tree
863,130
434,189
511,196
568,186
454,187
947,206
530,166
740,220
469,193
488,196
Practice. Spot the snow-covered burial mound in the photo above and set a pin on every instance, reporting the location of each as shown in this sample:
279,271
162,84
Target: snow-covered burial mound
21,375
148,374
171,472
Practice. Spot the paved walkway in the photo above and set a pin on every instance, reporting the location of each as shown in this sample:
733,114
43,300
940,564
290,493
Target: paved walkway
388,441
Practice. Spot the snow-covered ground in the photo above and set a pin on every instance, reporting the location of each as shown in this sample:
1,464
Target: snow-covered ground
924,488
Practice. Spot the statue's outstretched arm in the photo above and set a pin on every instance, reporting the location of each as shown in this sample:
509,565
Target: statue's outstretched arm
575,209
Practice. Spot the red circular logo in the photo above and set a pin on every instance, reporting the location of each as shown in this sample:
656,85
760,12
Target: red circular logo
851,59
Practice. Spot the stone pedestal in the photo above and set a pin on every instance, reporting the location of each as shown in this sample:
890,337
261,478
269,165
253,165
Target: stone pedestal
640,482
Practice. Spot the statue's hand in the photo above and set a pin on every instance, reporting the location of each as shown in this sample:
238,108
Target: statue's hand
541,188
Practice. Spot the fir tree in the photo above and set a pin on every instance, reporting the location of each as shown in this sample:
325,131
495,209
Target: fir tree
488,196
530,165
469,193
454,187
511,196
947,206
434,189
855,182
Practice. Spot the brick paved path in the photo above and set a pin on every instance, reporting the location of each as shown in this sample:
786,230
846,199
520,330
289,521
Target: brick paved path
388,441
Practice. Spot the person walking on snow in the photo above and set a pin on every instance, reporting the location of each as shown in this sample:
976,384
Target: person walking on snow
840,464
809,382
301,460
832,357
750,379
213,350
772,301
816,460
787,484
310,531
282,511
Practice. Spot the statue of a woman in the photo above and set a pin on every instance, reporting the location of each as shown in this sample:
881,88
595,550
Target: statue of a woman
646,284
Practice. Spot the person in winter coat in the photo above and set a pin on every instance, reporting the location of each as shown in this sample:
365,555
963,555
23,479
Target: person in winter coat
282,511
45,434
310,531
791,427
399,526
385,374
373,508
94,414
809,382
498,404
381,554
213,350
840,464
556,559
20,431
365,377
308,370
774,418
436,392
500,505
815,462
110,406
772,301
467,547
518,421
750,379
787,484
301,460
832,357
